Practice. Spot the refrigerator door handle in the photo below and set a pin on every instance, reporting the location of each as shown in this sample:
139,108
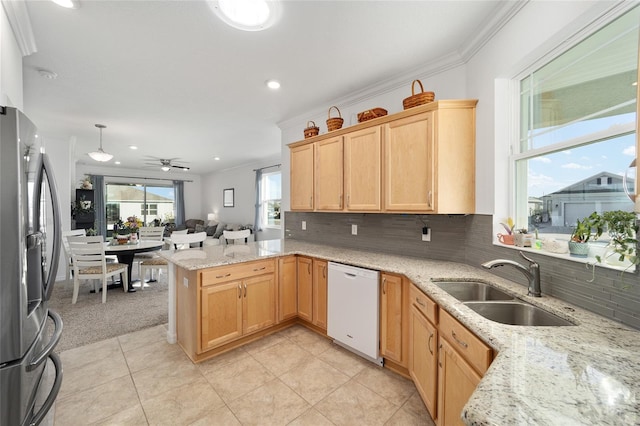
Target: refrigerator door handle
48,403
45,170
57,332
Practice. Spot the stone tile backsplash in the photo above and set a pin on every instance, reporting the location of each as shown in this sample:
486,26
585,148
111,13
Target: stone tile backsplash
468,239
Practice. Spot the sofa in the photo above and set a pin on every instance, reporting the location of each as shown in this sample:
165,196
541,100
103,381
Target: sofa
215,232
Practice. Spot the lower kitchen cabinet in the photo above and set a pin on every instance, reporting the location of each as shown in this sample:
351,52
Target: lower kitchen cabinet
319,313
287,288
394,318
259,303
221,314
457,381
423,358
305,288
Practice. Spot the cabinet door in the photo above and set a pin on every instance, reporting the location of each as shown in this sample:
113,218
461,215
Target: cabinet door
259,306
409,164
221,310
456,382
305,289
328,174
362,169
391,318
423,362
320,293
287,288
302,177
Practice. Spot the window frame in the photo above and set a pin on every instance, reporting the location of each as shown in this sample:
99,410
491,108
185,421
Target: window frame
265,201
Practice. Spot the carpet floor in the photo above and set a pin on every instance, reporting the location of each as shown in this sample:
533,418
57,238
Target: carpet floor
89,320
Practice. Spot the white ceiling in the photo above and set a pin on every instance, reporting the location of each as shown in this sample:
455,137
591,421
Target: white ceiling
174,80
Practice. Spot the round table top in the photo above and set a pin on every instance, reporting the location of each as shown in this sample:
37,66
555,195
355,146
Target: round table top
139,247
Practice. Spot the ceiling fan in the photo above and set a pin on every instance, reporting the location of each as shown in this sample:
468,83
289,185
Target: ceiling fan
166,164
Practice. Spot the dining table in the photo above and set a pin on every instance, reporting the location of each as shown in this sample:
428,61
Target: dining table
126,252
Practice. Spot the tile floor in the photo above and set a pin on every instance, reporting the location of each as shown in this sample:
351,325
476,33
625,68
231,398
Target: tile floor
293,377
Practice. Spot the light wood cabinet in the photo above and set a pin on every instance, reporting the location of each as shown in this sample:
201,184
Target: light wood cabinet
305,288
409,164
319,313
301,177
328,174
421,160
363,170
423,358
393,318
457,381
221,319
259,303
287,288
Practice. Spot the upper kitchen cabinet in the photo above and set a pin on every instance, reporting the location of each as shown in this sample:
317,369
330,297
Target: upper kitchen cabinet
429,160
421,160
302,165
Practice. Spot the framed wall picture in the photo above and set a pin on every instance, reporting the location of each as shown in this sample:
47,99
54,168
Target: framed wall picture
227,197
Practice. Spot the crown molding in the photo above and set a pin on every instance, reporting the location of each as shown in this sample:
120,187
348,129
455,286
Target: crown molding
18,17
504,13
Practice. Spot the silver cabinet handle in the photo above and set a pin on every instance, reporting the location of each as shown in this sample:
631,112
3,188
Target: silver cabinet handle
458,341
429,197
239,291
245,290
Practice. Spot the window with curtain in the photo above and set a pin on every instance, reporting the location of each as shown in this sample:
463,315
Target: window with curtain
577,131
125,200
270,196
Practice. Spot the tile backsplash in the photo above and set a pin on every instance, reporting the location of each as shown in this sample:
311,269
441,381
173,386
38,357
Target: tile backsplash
468,239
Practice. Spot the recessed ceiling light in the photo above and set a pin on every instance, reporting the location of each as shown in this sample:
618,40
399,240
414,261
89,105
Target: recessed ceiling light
216,158
133,147
247,15
273,84
69,4
117,162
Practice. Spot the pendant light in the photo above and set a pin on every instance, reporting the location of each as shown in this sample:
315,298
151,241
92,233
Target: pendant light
100,155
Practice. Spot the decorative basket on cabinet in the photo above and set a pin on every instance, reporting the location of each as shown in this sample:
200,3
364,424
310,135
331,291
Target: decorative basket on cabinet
417,99
334,123
311,130
370,114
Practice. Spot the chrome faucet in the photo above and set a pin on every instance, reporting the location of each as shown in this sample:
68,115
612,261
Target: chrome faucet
532,272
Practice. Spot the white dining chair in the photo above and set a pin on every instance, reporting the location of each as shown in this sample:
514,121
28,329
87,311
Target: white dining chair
148,233
67,251
90,263
237,236
185,240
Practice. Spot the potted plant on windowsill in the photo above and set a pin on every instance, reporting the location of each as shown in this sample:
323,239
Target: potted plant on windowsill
582,233
622,227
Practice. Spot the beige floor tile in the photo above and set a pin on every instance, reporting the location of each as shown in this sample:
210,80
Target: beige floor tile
344,360
154,355
311,418
294,330
92,374
219,361
312,342
271,404
182,405
236,379
88,354
282,357
219,417
353,404
143,337
416,407
133,416
264,343
391,386
314,380
151,382
97,403
404,417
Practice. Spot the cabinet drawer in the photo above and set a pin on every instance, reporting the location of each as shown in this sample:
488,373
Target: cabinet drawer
424,304
223,274
465,342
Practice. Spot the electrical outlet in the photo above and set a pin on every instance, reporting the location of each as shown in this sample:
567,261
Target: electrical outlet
426,234
304,225
185,282
354,229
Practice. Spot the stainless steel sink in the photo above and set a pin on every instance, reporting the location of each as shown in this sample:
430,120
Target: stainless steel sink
473,290
517,313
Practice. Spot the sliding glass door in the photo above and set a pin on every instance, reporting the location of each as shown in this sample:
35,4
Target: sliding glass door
153,205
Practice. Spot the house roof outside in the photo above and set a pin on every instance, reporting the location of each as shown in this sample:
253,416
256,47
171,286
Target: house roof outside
132,194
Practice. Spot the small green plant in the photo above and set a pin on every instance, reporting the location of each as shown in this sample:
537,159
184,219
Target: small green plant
623,230
587,227
508,226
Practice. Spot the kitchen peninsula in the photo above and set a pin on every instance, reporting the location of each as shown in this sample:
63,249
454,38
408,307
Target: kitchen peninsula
582,374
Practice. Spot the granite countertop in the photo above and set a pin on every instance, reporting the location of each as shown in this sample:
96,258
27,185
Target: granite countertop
582,374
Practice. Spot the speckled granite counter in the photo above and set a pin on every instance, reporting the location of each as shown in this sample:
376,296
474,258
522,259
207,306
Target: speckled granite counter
583,374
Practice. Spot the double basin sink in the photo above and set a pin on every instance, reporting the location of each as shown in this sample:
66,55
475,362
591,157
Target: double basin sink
498,306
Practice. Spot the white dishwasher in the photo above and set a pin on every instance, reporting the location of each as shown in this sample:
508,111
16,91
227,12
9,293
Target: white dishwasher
352,309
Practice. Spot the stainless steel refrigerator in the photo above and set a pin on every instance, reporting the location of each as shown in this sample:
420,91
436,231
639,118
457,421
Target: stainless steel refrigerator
30,238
